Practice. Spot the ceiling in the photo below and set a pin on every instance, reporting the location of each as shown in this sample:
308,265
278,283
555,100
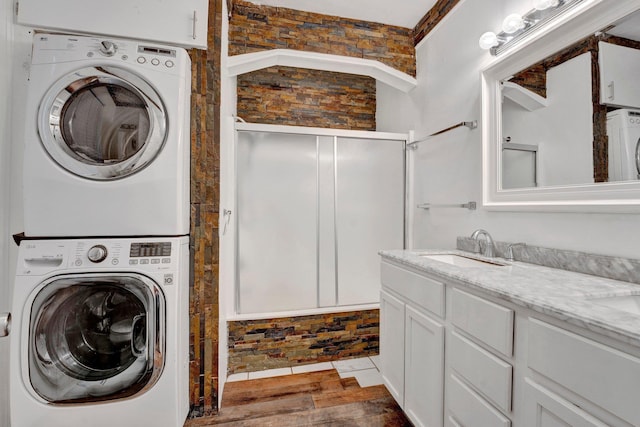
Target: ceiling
402,13
628,27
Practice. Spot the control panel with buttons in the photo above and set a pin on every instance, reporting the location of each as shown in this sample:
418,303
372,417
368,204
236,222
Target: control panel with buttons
159,258
62,48
153,255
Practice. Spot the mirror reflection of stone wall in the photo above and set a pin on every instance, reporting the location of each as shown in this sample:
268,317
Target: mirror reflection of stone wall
555,113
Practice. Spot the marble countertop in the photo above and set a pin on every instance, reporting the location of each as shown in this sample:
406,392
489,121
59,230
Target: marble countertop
568,296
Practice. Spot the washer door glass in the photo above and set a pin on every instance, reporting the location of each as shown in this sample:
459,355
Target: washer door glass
102,123
95,337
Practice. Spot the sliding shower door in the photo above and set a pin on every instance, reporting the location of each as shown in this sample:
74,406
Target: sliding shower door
277,222
369,213
313,211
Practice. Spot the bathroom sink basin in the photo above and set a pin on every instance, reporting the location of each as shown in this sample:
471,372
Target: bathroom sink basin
628,303
462,261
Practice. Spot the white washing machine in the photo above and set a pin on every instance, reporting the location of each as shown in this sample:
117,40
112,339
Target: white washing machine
107,138
623,131
100,333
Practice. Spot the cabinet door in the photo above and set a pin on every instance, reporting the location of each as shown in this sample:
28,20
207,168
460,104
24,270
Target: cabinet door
618,75
424,369
603,375
181,22
392,345
546,409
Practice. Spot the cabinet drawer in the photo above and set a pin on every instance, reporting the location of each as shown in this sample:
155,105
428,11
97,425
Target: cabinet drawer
420,290
605,376
490,375
488,322
469,409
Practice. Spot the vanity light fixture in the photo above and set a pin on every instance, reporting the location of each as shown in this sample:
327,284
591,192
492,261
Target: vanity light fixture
513,23
544,4
515,27
489,40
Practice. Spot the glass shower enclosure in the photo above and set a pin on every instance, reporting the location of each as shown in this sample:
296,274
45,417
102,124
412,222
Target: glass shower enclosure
313,208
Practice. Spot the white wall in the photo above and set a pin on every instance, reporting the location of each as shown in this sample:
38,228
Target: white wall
5,139
447,168
394,109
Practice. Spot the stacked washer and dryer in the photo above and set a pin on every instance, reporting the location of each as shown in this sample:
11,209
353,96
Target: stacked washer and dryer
100,307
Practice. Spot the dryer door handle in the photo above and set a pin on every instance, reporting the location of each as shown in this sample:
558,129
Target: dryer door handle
139,335
638,158
5,324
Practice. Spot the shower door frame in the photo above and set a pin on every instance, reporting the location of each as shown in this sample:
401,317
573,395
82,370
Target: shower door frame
318,133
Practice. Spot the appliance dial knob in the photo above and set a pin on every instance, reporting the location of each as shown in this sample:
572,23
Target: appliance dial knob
107,48
97,253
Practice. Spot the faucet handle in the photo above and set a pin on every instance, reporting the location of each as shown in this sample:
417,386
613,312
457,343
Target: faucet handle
509,254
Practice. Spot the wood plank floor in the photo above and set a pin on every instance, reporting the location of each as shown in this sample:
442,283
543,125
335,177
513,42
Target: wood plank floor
311,399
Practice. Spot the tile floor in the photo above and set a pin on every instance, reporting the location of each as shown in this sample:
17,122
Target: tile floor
364,370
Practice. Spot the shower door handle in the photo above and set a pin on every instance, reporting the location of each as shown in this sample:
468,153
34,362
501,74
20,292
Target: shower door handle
5,324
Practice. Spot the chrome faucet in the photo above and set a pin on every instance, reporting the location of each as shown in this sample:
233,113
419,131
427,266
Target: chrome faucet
488,247
509,255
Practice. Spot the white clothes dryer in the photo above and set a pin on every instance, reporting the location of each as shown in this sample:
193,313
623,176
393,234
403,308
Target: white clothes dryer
100,333
107,140
623,131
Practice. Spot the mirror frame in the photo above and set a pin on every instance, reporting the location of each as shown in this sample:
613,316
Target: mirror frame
585,19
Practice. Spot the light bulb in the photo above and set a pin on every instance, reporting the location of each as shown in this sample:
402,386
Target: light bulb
488,40
544,4
512,23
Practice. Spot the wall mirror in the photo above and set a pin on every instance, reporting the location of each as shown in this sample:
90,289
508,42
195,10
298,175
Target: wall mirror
561,114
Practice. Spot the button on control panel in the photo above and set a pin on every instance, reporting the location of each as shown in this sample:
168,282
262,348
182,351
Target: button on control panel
150,253
156,56
97,253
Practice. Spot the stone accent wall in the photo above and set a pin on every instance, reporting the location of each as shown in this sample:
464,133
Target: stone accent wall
256,345
254,28
432,18
205,185
533,78
301,97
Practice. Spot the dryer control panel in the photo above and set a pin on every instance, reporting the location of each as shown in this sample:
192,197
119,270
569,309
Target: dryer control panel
39,257
53,48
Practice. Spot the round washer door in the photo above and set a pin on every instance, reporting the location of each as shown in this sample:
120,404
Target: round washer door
96,337
102,123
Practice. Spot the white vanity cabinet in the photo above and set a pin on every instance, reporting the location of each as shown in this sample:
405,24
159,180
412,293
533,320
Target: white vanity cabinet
453,356
412,343
182,23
